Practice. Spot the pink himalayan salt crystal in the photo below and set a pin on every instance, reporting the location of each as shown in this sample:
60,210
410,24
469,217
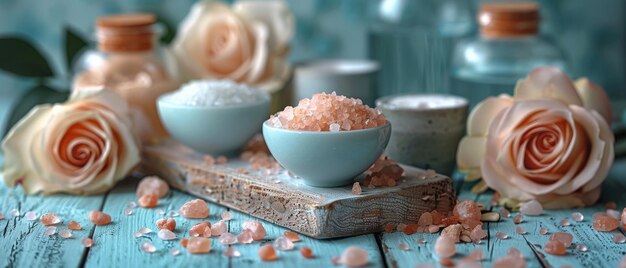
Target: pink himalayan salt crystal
65,234
173,214
624,217
149,200
476,255
400,227
354,257
99,217
283,243
613,213
565,222
257,229
226,216
421,240
324,110
453,232
50,230
49,219
267,253
30,216
356,188
581,247
174,252
622,264
15,212
403,246
520,230
148,247
467,210
232,252
131,205
218,228
501,235
306,252
227,238
245,237
510,261
445,247
518,219
166,223
543,231
604,223
195,209
87,242
198,245
531,208
505,213
73,225
160,212
477,234
577,216
563,237
384,172
433,229
514,252
200,228
165,234
152,185
555,248
619,238
425,219
128,211
292,236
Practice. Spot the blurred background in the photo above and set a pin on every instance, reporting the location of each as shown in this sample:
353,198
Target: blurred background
413,40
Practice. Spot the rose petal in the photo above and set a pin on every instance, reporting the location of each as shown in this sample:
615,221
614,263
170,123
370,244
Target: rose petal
482,115
470,152
547,83
594,97
276,15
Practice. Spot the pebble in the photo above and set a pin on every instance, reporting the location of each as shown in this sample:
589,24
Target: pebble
198,245
195,209
564,222
166,223
531,208
453,232
354,257
477,234
445,247
267,253
257,229
149,200
490,217
99,218
152,185
283,244
581,248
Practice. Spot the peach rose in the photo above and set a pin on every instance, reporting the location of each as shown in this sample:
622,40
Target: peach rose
83,146
551,142
247,43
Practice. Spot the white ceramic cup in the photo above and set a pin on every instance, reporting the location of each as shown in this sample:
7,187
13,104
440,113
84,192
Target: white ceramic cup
352,78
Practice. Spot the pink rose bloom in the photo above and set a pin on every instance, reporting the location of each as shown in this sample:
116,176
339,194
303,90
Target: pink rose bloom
551,142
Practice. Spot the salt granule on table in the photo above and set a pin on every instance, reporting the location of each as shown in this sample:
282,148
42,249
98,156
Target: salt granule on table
306,252
555,248
87,242
226,216
577,216
218,228
267,253
148,247
563,237
445,247
49,219
165,234
152,185
354,257
199,229
257,229
65,234
73,225
166,223
199,245
227,238
99,218
232,252
292,236
50,230
195,209
214,93
604,223
245,237
531,208
283,243
30,216
149,200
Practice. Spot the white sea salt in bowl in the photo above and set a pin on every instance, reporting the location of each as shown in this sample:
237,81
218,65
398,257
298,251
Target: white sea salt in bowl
214,117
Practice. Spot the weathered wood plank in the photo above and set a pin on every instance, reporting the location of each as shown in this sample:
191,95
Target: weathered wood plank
115,245
288,202
23,243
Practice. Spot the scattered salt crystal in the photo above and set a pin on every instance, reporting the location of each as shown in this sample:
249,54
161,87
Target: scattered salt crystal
227,238
99,217
218,93
356,188
623,217
501,235
467,210
174,252
505,213
619,238
15,212
613,213
131,205
563,237
148,247
166,223
148,200
137,234
195,209
283,243
509,261
87,242
160,212
306,252
404,246
245,237
198,245
334,127
514,252
226,216
49,219
144,230
128,211
421,241
267,253
604,223
200,229
354,257
531,208
543,231
257,229
452,232
65,234
520,230
445,247
152,185
292,236
477,233
564,222
476,255
50,230
581,247
232,252
218,228
173,214
518,219
577,216
30,216
555,248
73,225
165,234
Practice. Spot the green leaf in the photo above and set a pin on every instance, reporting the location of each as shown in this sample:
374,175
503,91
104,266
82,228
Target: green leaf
38,95
20,57
74,44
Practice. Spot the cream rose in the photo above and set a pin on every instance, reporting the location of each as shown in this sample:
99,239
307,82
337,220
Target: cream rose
247,43
82,147
551,142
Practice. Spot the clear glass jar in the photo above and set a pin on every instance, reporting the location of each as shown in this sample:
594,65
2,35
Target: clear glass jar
127,61
507,49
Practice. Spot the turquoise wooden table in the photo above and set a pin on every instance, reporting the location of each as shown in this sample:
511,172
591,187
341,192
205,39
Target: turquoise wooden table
23,243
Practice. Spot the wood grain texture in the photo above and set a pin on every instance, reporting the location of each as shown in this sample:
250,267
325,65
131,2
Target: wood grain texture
23,243
288,202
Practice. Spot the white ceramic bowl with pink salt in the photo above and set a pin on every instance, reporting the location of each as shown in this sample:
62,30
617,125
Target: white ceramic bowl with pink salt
327,140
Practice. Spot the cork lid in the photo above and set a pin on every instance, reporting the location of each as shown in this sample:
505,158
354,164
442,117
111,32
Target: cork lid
508,19
125,32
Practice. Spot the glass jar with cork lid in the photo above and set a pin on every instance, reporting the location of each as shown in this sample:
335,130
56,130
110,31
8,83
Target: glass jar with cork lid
508,48
128,61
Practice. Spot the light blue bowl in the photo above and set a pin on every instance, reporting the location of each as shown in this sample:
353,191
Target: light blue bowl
217,130
326,159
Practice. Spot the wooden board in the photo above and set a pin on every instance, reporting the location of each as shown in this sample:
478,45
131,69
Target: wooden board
288,202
